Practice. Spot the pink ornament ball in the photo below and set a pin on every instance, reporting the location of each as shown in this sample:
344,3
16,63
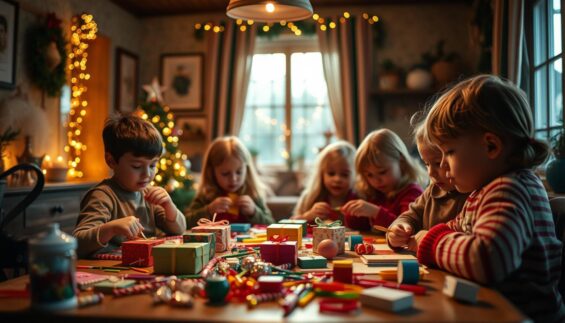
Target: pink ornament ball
327,248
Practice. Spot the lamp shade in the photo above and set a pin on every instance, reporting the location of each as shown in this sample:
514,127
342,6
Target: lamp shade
269,10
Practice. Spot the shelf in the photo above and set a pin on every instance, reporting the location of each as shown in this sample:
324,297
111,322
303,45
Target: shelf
403,92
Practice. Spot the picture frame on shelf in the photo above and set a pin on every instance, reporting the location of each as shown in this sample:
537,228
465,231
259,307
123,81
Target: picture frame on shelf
182,76
127,81
8,43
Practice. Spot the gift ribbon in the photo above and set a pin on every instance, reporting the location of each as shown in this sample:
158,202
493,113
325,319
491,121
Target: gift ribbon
321,223
277,238
208,222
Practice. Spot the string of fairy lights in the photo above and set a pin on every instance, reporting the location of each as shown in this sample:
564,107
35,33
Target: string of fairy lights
322,23
83,29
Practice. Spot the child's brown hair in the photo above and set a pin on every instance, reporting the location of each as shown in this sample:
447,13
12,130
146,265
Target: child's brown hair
130,133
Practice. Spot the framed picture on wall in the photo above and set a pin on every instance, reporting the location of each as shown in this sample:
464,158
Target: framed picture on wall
127,80
8,43
182,75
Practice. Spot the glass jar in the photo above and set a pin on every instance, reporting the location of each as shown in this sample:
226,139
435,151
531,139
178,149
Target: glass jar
52,260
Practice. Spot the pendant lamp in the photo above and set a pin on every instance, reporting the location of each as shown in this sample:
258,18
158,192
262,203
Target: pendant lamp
269,10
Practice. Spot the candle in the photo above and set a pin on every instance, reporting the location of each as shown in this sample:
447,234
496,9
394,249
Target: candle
59,163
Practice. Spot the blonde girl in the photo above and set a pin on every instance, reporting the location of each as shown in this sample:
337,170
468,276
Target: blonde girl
389,179
440,201
505,236
331,184
229,187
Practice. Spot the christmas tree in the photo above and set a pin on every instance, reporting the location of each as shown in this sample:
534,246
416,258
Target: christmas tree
173,169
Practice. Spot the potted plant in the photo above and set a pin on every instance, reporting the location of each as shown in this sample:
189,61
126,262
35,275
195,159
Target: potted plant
445,67
555,171
6,137
389,78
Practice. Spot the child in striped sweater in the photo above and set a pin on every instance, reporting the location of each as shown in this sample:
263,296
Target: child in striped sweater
505,236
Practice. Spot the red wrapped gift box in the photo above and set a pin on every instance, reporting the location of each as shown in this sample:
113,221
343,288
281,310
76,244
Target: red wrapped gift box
137,253
279,253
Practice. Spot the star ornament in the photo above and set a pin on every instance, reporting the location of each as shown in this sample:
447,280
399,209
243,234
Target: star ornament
154,91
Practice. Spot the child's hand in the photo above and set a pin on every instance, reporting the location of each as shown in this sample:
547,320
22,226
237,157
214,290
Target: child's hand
319,209
246,205
360,208
130,227
219,205
399,234
415,240
159,196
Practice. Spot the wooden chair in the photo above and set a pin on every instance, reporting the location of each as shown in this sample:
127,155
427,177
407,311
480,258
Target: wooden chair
558,210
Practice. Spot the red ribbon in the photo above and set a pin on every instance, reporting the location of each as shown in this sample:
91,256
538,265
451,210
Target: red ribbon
278,238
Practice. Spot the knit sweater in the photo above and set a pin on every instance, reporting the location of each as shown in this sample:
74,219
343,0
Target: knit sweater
505,239
106,202
389,208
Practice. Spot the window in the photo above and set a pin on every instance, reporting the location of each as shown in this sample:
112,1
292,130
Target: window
287,108
547,67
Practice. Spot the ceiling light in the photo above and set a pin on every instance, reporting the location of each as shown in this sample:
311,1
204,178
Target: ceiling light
269,10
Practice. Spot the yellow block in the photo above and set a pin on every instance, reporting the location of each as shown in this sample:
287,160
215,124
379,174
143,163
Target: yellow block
343,263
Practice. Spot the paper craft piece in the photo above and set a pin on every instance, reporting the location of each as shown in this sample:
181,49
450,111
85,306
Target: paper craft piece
309,262
303,223
234,208
221,229
205,237
460,289
385,260
86,280
107,287
137,253
240,227
335,233
387,299
187,258
279,253
293,232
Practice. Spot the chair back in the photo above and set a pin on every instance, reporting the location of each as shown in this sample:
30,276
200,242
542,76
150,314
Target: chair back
557,205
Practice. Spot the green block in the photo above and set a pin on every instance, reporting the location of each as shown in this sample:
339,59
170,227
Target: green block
206,237
108,286
181,259
308,262
304,224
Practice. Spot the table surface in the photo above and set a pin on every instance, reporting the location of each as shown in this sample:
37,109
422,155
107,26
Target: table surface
432,307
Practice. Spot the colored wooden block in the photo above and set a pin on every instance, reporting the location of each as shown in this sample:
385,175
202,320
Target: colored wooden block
240,227
387,299
460,289
308,262
343,271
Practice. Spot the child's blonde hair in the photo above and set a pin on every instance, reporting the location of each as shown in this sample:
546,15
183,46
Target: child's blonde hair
488,103
221,149
385,143
418,123
315,191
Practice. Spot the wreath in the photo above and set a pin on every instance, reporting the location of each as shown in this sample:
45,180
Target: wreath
46,55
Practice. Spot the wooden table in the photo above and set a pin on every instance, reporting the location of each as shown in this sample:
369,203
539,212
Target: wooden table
432,307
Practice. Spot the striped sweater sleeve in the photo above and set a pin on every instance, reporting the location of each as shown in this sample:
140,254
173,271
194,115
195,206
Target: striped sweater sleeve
500,217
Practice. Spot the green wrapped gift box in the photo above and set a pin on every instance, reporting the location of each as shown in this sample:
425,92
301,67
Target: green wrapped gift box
303,223
206,237
181,259
308,262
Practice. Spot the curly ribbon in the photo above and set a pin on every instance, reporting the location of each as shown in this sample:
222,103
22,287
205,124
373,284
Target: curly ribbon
321,223
208,222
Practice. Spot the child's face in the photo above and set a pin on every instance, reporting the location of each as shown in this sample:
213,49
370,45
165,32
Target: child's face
230,174
336,177
383,177
133,173
466,161
431,155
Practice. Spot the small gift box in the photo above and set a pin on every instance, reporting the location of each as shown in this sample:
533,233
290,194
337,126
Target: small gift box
270,283
221,229
108,286
186,258
293,232
333,231
279,251
206,237
137,253
303,223
240,227
309,262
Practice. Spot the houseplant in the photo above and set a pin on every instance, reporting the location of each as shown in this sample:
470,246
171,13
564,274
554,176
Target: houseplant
389,77
555,171
445,67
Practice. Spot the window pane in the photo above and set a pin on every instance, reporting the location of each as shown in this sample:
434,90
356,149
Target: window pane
556,93
555,28
540,107
264,108
311,115
540,29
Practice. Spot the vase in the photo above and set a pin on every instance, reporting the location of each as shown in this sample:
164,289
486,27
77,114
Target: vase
419,79
389,81
445,72
555,175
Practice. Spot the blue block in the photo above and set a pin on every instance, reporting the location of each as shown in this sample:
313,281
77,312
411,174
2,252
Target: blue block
240,227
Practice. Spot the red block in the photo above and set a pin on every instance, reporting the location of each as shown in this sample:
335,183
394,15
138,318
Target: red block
137,253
